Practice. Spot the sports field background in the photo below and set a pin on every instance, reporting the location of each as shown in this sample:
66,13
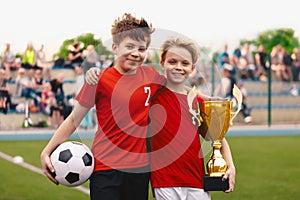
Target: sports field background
268,167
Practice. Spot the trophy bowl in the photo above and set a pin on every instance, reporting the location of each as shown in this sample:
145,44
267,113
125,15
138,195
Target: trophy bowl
217,118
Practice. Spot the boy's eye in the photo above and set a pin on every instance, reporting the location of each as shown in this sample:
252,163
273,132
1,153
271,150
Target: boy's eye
172,62
129,46
142,49
185,63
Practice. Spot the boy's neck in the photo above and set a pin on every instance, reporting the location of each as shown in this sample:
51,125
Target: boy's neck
177,88
125,72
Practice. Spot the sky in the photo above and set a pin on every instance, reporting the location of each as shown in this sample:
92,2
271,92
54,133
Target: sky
209,23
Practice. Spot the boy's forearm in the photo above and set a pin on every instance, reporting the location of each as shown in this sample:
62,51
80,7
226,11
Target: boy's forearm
225,150
61,135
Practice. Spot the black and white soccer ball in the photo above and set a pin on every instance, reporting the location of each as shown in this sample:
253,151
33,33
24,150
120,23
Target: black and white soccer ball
73,163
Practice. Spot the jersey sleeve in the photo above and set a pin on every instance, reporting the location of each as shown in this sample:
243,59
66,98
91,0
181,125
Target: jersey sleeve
157,77
86,96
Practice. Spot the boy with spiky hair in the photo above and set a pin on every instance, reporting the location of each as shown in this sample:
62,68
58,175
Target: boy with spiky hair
122,97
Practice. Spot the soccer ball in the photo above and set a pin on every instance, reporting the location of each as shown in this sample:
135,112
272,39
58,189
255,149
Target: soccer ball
73,163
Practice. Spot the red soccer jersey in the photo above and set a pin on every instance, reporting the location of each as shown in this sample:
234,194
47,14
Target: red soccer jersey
122,106
176,157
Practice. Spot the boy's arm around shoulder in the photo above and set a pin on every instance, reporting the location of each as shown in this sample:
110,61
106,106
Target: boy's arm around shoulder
92,76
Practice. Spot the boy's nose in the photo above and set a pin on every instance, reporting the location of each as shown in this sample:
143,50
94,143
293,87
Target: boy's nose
178,66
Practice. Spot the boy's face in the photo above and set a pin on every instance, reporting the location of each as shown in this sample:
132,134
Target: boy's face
178,65
130,54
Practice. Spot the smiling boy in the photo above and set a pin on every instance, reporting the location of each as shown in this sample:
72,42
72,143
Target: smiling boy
177,165
122,98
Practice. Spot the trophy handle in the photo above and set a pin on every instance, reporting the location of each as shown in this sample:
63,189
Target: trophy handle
239,98
233,115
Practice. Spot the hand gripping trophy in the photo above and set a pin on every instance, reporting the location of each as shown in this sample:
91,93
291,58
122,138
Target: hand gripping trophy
214,118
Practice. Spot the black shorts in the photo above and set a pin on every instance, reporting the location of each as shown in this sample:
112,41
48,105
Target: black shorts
119,185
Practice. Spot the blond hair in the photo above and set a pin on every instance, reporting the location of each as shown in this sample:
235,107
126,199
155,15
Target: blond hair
180,42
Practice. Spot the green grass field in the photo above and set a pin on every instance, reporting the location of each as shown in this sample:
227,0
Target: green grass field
267,168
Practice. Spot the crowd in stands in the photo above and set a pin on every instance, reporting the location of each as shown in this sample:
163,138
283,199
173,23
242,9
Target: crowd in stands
246,64
253,64
34,82
30,73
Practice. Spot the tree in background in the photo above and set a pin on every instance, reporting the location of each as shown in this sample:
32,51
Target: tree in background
86,39
285,37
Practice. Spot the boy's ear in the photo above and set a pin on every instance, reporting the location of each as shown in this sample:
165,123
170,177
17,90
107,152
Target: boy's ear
193,67
162,64
145,59
114,48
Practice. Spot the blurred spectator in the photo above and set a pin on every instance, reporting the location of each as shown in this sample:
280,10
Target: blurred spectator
41,62
223,57
8,61
29,58
287,65
57,88
50,107
295,64
38,82
275,59
235,59
25,87
237,52
247,66
91,58
75,55
18,63
261,59
5,95
225,87
277,65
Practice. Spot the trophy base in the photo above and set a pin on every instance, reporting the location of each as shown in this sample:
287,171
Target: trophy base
215,183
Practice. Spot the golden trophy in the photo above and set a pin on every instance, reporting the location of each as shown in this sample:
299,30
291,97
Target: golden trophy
215,118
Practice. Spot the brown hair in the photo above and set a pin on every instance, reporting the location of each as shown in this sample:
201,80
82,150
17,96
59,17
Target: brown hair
179,42
129,26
